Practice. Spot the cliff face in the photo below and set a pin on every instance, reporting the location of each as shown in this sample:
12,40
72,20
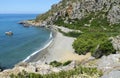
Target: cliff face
78,9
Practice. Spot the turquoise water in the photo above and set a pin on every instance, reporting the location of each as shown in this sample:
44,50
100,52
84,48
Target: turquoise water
23,43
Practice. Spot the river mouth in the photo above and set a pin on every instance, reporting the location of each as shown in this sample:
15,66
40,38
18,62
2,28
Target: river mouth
24,41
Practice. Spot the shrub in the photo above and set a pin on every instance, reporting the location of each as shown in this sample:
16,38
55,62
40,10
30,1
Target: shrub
67,63
105,48
88,42
55,64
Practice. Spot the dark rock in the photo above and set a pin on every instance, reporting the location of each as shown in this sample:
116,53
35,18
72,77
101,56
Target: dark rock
2,68
24,23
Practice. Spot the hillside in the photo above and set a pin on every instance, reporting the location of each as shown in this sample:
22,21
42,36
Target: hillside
99,23
98,20
79,9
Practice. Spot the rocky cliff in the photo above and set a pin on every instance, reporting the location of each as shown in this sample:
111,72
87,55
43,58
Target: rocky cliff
78,9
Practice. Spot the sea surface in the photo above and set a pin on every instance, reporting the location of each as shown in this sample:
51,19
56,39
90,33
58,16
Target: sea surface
24,42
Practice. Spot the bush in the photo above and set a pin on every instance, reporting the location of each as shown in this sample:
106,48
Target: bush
105,48
67,63
83,46
88,42
97,43
55,64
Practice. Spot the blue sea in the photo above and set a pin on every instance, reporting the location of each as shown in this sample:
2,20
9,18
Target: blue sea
24,42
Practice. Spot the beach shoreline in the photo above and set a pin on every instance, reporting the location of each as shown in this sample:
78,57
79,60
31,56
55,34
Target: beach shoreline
60,49
40,55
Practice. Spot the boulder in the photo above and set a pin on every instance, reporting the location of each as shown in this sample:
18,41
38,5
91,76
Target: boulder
24,23
112,74
116,42
108,63
9,33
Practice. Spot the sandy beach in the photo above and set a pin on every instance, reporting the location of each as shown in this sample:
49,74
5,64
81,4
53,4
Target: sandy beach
60,50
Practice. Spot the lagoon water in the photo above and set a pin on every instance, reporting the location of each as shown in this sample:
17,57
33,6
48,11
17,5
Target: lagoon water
24,41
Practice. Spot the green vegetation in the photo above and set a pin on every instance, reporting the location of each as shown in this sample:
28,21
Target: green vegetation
98,24
53,10
105,48
82,72
95,36
98,44
24,74
88,42
76,23
57,64
67,63
94,39
42,17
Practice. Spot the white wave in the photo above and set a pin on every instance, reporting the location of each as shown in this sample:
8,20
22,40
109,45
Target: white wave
51,35
51,40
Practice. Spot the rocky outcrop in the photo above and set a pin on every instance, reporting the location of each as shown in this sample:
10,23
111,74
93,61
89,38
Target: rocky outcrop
36,67
110,65
112,74
114,14
25,23
73,9
110,62
9,33
116,42
29,23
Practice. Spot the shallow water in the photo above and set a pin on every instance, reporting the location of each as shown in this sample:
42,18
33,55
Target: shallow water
24,41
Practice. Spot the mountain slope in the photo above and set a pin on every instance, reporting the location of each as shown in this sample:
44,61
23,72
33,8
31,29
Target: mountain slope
72,9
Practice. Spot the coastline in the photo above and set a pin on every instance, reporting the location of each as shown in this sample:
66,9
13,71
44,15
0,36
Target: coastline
36,56
60,49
